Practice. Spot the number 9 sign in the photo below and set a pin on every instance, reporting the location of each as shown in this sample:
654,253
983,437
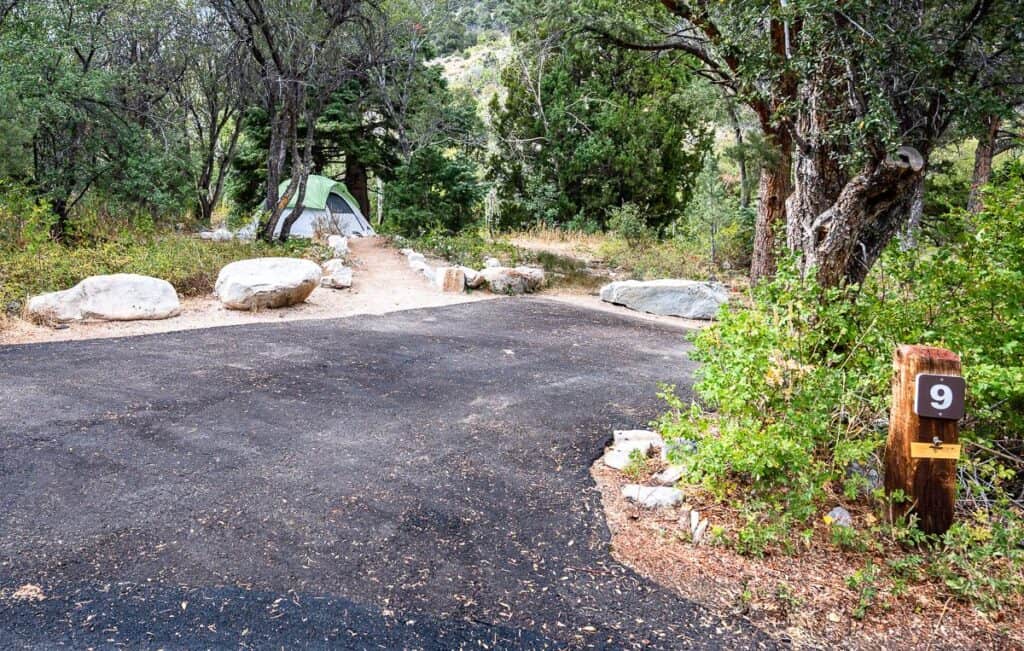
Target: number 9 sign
939,396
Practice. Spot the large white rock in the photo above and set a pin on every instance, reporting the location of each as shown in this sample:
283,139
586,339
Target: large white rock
652,496
690,299
117,297
336,275
266,282
506,280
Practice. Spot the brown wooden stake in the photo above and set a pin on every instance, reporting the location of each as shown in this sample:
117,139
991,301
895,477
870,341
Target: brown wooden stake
928,483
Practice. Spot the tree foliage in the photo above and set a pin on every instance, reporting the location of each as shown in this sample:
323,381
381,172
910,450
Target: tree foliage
839,88
587,127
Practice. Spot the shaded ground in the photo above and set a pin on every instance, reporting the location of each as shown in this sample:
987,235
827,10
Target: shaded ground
414,480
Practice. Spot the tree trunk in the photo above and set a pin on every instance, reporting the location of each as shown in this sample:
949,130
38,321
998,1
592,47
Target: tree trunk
983,163
741,154
357,182
276,156
301,165
774,187
59,229
841,241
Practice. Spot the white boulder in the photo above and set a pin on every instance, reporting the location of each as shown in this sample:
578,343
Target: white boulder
421,266
492,263
652,496
117,297
689,299
506,280
336,275
338,245
266,282
473,278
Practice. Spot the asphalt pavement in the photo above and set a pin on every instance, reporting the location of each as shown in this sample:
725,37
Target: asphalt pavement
414,480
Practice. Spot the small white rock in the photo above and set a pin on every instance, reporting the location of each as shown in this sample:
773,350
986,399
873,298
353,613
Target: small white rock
634,435
694,521
698,535
652,496
669,476
492,263
473,278
336,275
617,459
643,447
338,244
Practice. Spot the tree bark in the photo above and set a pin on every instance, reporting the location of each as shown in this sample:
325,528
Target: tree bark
983,163
301,165
741,154
774,187
357,182
841,242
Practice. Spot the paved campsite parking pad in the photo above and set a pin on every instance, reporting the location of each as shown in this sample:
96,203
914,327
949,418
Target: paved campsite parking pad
412,480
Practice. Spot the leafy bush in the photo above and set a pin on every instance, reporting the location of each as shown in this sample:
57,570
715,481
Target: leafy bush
627,222
799,385
716,224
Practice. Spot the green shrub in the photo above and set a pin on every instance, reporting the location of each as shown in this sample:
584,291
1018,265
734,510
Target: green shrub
795,389
628,222
433,193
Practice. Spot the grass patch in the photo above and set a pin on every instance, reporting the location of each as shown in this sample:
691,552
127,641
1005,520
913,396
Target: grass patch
188,263
672,258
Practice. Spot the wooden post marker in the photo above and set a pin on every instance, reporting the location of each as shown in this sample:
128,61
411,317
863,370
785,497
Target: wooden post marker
923,446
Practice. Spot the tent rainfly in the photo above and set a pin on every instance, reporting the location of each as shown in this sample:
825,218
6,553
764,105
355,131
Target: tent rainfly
328,209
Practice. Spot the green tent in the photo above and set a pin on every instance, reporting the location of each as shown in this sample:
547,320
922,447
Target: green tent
328,207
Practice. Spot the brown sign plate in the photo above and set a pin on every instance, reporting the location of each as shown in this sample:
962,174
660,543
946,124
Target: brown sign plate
939,396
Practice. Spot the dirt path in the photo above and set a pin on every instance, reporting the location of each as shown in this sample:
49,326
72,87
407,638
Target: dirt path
382,282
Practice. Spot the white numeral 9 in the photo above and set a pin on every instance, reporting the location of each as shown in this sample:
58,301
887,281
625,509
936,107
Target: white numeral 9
942,396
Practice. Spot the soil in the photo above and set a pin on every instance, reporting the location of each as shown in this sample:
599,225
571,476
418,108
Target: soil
803,601
382,282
